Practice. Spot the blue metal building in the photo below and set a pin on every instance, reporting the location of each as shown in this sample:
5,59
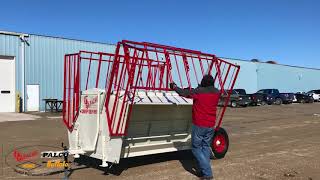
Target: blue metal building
260,75
38,60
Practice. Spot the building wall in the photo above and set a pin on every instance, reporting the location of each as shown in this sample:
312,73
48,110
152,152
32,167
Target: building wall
44,58
10,46
247,78
287,78
45,62
44,66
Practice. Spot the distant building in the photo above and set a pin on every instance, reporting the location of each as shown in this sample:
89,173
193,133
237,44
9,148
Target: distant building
32,66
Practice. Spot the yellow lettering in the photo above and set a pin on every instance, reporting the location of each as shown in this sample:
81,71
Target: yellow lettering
49,164
28,166
57,164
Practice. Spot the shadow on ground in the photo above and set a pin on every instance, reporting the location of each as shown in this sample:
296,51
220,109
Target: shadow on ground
184,157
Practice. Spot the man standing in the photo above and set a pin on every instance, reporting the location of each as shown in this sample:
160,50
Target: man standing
205,100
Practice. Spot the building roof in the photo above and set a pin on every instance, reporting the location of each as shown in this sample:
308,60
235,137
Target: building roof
236,59
58,37
27,34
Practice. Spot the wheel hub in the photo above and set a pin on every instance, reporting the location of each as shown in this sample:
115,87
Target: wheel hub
218,142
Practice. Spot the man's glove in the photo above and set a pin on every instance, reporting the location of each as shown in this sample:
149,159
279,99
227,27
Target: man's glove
173,85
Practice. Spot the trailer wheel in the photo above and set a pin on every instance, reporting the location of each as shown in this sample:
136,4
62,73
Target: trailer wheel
220,143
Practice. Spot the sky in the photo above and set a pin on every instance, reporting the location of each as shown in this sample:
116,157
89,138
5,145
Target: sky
286,31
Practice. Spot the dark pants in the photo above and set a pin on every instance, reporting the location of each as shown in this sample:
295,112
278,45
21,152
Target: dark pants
201,140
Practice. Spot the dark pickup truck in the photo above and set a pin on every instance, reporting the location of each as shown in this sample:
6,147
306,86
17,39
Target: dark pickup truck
303,98
271,96
238,98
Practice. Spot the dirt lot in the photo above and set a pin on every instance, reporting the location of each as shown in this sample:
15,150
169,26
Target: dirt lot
273,142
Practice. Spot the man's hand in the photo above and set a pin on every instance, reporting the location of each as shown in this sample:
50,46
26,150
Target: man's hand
173,85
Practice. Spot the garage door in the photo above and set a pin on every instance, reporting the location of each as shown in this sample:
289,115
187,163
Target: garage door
7,84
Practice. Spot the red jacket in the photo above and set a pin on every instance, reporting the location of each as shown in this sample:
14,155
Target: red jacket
204,108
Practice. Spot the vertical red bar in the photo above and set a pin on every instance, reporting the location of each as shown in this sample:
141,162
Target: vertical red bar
156,69
107,74
149,76
219,64
98,72
195,70
69,91
231,76
64,90
175,58
169,68
211,65
139,75
140,71
89,71
155,75
219,75
186,68
114,68
78,83
129,83
129,63
118,64
162,67
116,101
76,89
228,96
74,86
201,65
226,76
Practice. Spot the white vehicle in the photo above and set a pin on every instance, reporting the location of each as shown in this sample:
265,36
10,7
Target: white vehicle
315,94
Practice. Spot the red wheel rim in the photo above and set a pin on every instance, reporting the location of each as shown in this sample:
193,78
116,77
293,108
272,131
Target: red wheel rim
219,143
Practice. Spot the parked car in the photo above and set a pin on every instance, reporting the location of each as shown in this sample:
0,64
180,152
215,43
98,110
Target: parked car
303,98
295,98
315,94
258,99
272,96
287,98
238,98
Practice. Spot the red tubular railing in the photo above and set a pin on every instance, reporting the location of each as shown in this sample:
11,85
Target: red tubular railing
139,66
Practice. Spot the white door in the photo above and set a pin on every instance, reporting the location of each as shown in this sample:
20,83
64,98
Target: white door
33,97
7,84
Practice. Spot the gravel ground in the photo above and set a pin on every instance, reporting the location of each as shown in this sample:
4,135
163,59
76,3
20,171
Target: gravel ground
271,142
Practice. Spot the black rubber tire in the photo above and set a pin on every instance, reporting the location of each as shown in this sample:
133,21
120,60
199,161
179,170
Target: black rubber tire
221,149
233,104
278,101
